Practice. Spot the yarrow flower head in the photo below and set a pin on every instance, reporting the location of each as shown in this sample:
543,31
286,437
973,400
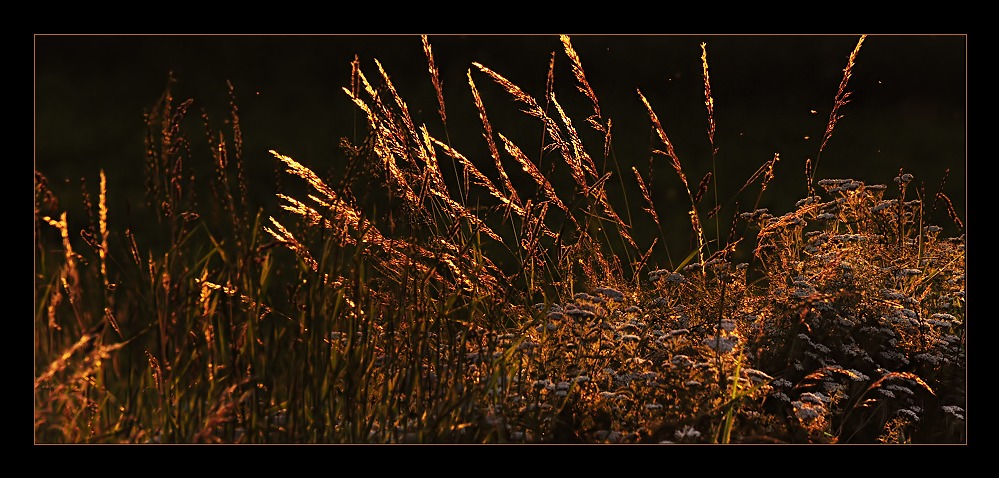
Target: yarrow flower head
654,275
885,204
630,338
687,431
613,294
891,294
833,182
805,411
581,313
801,202
758,376
814,397
954,410
780,396
909,413
681,361
720,344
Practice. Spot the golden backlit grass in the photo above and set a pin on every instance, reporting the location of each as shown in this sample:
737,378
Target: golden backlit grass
474,310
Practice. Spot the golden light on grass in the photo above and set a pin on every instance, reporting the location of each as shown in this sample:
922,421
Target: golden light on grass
481,179
63,228
435,79
622,226
675,161
487,132
103,225
205,286
766,170
841,99
578,160
709,101
533,108
432,166
577,70
111,320
950,210
416,312
407,120
518,94
531,169
60,363
285,237
665,140
649,205
68,277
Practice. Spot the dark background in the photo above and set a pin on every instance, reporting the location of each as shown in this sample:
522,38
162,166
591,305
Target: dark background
908,106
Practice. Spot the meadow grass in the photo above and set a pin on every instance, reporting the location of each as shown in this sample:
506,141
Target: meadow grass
425,295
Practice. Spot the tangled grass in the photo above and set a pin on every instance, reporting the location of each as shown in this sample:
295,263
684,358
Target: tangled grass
419,298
